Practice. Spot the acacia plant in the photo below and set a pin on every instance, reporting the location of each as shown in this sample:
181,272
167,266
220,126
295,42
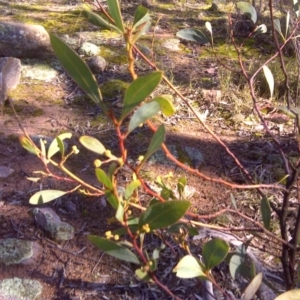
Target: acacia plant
166,211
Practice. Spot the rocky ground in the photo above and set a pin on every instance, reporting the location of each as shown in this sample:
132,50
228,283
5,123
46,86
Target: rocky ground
48,103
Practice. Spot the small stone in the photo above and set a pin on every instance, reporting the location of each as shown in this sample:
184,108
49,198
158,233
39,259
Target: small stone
5,171
20,289
89,49
97,64
172,44
15,251
50,221
42,72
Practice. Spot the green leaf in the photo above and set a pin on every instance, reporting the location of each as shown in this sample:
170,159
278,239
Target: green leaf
138,91
270,79
265,212
123,231
141,16
115,12
193,35
156,141
43,148
290,295
45,196
92,144
28,145
142,275
131,187
112,199
178,227
57,144
189,267
166,105
253,287
103,178
142,114
208,27
113,249
141,30
99,21
214,252
120,213
247,9
181,186
235,263
77,69
164,214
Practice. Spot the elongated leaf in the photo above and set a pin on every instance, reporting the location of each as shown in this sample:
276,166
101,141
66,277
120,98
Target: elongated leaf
112,199
270,79
141,16
253,287
45,196
287,24
193,35
290,295
166,105
247,9
99,21
156,141
131,187
77,69
138,91
160,215
103,178
189,267
115,12
296,7
28,145
42,146
208,27
277,26
92,144
265,212
214,252
142,29
142,114
113,249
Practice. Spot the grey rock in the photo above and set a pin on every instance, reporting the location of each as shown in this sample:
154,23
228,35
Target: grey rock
15,251
195,156
20,289
50,221
97,64
10,74
24,40
171,44
5,171
39,71
160,157
89,49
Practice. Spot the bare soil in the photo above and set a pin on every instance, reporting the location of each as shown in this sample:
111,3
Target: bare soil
76,269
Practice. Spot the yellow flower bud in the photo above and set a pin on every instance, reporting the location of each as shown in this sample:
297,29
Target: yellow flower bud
97,163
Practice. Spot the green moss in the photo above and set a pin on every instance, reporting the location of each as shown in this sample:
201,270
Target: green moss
113,88
115,55
59,22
